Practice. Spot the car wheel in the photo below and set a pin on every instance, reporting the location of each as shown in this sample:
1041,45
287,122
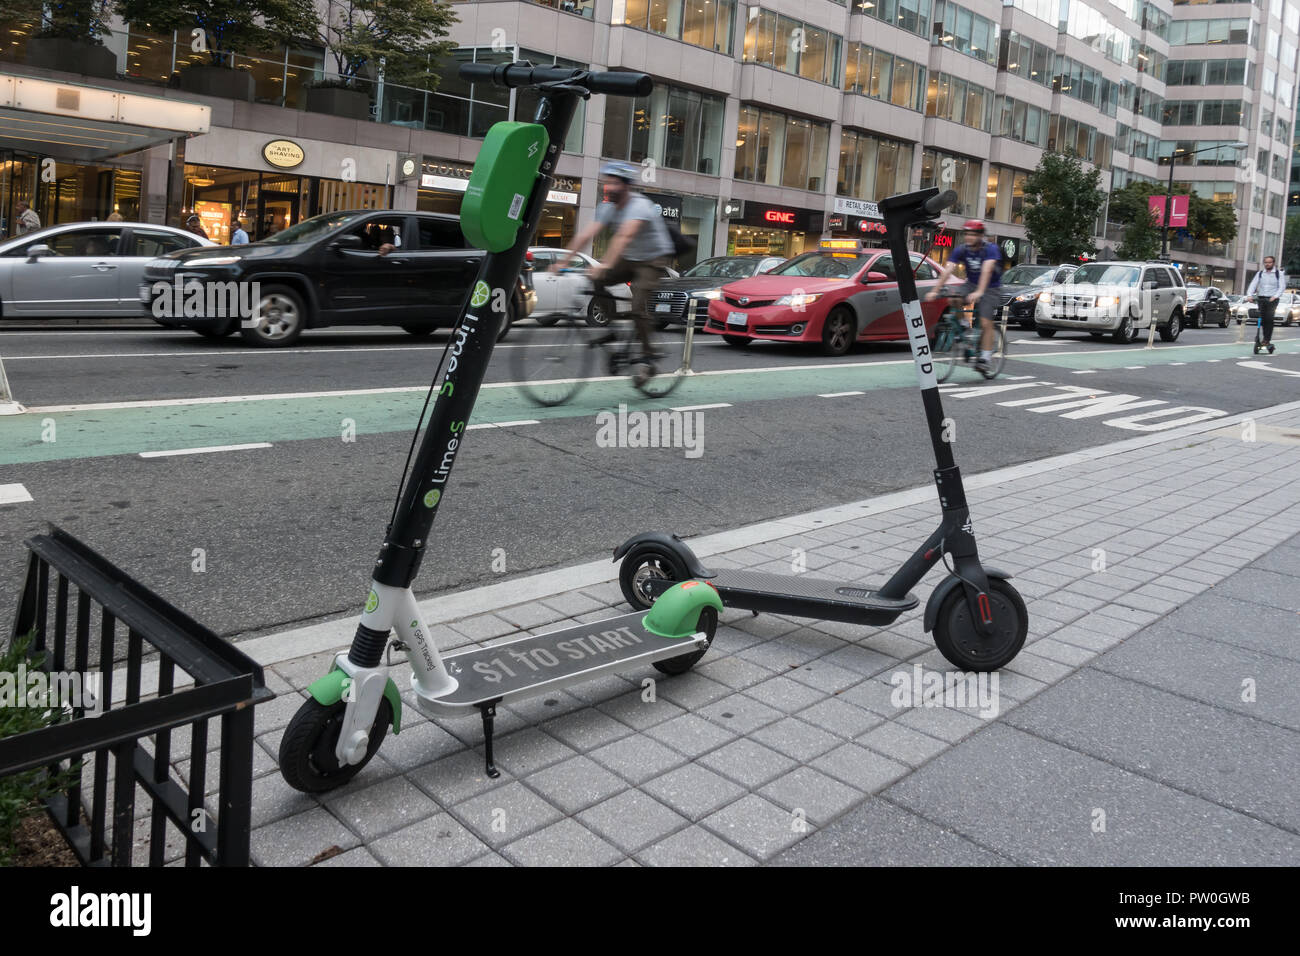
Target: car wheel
1223,322
600,310
1125,333
281,317
739,341
838,332
1170,331
1194,319
1045,333
419,331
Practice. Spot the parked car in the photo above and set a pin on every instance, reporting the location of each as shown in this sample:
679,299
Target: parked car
1116,299
83,269
358,267
699,285
841,293
567,294
1206,305
1018,294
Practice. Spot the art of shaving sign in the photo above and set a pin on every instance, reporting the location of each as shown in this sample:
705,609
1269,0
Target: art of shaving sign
283,154
857,207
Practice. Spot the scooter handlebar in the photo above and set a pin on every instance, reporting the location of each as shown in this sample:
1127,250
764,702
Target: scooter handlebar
940,202
611,83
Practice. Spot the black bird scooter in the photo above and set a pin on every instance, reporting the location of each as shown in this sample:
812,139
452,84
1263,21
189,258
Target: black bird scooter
978,619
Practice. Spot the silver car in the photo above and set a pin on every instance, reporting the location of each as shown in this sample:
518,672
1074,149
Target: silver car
84,269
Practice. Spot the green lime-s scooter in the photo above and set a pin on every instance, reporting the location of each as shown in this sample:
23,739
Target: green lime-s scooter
348,711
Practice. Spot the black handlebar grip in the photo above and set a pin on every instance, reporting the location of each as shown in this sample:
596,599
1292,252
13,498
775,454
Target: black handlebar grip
940,202
518,74
620,83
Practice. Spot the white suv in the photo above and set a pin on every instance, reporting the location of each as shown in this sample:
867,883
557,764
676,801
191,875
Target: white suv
1116,299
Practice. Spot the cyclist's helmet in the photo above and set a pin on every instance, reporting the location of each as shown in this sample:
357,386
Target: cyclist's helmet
973,225
623,171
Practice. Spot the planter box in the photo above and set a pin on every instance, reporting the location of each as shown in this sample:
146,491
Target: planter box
74,56
350,104
218,81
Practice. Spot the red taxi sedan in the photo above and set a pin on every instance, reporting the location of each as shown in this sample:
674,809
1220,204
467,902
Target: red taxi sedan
841,293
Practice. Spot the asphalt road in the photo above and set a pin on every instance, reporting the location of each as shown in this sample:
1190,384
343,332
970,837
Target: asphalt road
287,533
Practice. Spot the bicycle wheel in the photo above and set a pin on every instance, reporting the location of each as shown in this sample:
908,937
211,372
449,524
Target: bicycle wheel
550,368
999,356
949,346
662,382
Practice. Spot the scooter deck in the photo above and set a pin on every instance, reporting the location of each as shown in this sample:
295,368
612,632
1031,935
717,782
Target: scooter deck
540,663
801,595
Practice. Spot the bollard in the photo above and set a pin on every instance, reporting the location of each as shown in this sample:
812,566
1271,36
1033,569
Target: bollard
689,341
8,404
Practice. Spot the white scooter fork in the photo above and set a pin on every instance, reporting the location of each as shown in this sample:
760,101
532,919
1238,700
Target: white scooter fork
387,609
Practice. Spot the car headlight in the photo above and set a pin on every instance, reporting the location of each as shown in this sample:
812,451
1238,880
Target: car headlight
213,261
799,299
1026,297
1107,301
1045,298
709,294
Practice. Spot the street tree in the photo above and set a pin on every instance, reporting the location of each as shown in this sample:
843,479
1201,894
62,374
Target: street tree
1062,203
222,28
408,34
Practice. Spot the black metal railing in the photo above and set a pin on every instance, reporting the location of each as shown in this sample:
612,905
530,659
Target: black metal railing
79,605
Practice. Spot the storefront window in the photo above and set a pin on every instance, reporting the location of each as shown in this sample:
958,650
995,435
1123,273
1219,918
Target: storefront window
1005,198
757,241
781,150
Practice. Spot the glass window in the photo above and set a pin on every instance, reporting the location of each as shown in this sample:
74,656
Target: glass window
794,165
882,73
155,242
813,62
85,242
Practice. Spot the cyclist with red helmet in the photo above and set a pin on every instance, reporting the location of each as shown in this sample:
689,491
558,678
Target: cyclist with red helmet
983,262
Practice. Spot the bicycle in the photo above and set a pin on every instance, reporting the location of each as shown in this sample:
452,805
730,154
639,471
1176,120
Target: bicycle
957,342
554,372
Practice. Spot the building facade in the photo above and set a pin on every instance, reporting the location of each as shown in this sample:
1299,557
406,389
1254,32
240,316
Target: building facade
771,123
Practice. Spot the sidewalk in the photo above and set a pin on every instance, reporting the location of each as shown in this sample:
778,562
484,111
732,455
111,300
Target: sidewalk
1152,718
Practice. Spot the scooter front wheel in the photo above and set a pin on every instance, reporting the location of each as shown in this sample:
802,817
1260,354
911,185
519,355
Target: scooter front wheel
961,643
708,623
643,565
307,758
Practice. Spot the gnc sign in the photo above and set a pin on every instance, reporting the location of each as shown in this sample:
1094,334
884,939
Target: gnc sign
779,215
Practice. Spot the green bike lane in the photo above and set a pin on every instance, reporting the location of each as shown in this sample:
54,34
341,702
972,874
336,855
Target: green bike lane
62,433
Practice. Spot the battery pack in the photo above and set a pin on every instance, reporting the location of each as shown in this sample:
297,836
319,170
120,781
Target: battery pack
503,179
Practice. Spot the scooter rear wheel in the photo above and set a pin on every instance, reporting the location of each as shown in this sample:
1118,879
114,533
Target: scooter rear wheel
307,758
644,564
958,640
708,623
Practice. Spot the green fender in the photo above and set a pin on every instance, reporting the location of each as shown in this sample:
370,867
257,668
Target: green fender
676,612
329,690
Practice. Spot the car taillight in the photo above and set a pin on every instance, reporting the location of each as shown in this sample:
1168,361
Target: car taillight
528,256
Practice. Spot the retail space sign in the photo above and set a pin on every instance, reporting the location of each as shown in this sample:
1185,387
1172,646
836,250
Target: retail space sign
1178,206
283,154
857,207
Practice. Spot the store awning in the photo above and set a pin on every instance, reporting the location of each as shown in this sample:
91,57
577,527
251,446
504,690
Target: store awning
87,123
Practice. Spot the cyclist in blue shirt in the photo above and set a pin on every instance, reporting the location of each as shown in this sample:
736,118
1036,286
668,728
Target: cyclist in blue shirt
983,262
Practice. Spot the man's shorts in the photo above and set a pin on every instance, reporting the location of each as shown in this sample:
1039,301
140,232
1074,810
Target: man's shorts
986,307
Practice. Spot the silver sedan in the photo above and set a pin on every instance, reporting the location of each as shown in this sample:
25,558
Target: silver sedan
84,269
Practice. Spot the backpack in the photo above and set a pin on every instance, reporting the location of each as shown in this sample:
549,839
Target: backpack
681,244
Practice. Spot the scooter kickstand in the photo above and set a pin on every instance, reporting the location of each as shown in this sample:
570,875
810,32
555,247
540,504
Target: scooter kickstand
489,711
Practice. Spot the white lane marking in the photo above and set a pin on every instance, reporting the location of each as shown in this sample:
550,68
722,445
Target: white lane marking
1016,378
840,394
1086,371
522,421
699,408
1211,360
13,494
1133,368
1265,367
208,450
1176,363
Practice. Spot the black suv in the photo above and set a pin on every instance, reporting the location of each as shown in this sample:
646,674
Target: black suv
359,267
